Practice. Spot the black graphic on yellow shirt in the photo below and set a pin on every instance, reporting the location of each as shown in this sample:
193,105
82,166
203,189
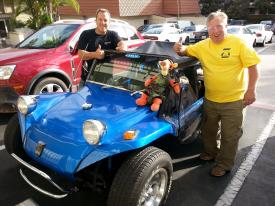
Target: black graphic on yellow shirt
225,53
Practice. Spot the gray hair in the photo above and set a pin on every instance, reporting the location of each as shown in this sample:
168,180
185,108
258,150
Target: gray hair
216,14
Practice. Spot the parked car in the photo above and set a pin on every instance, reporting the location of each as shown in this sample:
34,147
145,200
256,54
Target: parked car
267,22
47,61
191,29
198,35
99,137
240,22
270,24
263,33
153,26
243,33
164,34
273,28
144,28
183,23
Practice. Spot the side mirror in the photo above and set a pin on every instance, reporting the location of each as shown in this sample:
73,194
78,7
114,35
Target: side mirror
73,50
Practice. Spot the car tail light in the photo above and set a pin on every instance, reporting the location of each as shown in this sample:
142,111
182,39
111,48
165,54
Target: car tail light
258,34
151,37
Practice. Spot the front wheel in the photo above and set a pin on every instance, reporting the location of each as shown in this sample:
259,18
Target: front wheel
50,84
12,136
143,179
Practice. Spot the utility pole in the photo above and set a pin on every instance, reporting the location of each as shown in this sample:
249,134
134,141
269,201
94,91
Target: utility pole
178,8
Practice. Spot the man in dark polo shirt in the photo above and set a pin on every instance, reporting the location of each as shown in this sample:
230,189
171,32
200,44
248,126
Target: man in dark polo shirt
93,42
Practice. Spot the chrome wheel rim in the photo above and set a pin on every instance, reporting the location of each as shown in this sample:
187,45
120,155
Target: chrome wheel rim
154,189
51,88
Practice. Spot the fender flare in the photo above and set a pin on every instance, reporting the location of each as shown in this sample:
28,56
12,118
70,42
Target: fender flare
44,73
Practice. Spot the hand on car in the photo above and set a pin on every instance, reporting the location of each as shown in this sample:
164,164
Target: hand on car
249,97
121,46
99,53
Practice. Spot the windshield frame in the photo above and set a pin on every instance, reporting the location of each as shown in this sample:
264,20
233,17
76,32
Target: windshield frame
132,72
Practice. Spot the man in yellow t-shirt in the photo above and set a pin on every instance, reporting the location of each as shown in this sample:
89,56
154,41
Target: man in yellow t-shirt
224,58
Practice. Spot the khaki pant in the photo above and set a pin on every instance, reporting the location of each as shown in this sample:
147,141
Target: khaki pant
222,121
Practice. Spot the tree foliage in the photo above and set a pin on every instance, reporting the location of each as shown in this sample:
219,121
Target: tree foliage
42,12
238,9
263,6
209,6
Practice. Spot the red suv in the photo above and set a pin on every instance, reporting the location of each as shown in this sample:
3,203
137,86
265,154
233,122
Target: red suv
47,61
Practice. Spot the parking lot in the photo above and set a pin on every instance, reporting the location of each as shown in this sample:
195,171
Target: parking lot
250,183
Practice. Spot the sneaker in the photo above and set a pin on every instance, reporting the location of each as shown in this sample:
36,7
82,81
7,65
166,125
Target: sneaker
206,157
217,171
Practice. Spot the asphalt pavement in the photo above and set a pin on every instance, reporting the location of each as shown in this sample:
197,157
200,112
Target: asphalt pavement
250,183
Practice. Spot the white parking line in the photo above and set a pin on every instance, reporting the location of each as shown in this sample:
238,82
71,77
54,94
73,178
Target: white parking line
2,147
237,181
262,49
28,202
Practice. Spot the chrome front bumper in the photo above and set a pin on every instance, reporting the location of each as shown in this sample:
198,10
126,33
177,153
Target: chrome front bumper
46,177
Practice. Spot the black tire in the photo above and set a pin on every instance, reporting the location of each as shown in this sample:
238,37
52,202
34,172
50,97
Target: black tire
12,136
186,40
263,43
254,43
270,41
140,173
56,85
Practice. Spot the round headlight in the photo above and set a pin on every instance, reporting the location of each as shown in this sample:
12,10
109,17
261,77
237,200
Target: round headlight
93,130
26,104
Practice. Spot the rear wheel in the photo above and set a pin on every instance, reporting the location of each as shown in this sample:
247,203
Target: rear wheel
254,43
263,43
50,84
143,179
187,40
12,136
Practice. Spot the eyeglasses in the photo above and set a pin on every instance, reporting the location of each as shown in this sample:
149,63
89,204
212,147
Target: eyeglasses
216,27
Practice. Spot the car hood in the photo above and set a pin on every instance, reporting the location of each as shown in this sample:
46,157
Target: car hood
60,128
112,106
15,55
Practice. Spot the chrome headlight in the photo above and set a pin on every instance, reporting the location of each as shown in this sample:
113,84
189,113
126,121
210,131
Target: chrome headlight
6,71
26,104
93,131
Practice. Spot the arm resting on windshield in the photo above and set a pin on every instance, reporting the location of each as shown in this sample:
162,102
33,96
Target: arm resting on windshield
85,55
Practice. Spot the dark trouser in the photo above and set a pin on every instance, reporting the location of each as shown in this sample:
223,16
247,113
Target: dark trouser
224,121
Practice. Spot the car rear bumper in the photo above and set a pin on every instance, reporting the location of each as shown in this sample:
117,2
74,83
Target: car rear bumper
8,98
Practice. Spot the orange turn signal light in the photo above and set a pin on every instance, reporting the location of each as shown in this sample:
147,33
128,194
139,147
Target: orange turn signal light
129,135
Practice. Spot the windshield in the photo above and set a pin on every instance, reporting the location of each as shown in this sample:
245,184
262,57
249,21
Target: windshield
266,22
154,31
255,28
51,36
127,71
189,28
233,30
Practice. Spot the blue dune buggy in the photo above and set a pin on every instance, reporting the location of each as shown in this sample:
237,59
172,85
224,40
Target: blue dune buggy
99,137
